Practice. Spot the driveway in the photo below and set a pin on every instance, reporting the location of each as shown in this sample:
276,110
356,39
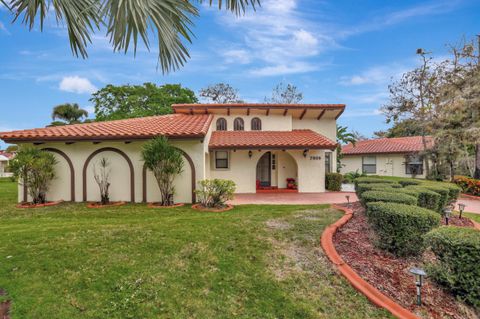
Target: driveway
472,205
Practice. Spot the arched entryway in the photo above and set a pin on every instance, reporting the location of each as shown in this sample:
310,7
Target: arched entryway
274,168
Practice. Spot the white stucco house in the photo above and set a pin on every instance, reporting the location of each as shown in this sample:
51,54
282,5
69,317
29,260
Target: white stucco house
258,146
4,159
400,156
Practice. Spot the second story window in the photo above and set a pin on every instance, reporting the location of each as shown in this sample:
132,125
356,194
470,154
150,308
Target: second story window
238,124
256,124
221,124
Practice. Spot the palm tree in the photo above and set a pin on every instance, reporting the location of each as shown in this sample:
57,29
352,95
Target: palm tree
69,113
126,21
343,137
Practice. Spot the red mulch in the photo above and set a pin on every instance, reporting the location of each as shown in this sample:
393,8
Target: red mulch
457,221
390,274
4,307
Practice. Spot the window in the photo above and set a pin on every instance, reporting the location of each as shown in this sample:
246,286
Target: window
256,124
328,162
221,124
414,165
369,164
221,159
274,162
238,124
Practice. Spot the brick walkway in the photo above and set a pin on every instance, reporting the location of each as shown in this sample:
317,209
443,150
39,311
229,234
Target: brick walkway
472,205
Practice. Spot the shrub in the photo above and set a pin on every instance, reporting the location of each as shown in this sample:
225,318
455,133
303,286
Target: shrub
370,180
389,197
400,228
469,185
166,162
458,259
34,169
454,191
375,186
442,191
408,191
350,177
333,182
214,193
426,198
408,182
103,179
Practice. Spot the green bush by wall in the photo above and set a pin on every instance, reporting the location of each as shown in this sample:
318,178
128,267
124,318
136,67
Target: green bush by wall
333,182
363,187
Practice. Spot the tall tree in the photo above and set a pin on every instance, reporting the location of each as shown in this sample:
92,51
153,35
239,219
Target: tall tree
68,114
414,96
285,94
406,127
129,101
343,137
167,21
221,93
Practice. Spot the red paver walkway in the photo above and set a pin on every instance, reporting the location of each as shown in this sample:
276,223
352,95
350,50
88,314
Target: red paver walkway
472,205
293,198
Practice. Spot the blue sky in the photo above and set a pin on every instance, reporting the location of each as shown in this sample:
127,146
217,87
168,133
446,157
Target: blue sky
334,51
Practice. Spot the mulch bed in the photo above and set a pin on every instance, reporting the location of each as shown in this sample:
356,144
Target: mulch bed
457,221
4,307
99,205
390,274
159,205
31,205
201,208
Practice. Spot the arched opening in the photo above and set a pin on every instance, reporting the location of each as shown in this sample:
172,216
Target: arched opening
119,181
187,180
256,124
221,124
238,124
65,176
274,169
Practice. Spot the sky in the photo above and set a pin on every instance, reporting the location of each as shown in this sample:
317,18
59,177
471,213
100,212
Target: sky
333,51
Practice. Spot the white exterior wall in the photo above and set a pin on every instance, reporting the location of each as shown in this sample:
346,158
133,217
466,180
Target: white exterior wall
269,123
387,165
120,171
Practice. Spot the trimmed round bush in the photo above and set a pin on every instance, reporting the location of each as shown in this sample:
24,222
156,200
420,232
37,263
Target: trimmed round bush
333,182
426,198
408,182
407,191
442,191
458,259
389,197
453,191
400,228
375,186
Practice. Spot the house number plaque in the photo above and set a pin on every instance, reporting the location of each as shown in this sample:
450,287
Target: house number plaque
315,158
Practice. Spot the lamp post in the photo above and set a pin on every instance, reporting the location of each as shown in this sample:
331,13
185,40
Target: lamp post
461,208
447,211
348,200
419,274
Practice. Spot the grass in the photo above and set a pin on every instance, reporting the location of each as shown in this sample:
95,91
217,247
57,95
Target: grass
134,262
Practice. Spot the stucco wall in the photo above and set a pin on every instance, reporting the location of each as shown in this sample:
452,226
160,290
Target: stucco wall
387,165
269,123
120,171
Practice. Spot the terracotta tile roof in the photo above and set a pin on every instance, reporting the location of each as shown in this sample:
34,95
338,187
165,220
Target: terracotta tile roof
254,105
387,145
7,155
296,139
173,125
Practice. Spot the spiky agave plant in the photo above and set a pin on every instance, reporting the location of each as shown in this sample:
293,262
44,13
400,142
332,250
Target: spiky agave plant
102,177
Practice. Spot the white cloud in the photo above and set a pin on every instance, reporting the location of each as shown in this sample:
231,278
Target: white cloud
3,28
362,113
76,84
284,69
239,56
377,75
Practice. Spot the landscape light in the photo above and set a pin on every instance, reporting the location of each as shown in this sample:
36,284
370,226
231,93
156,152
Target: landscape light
461,207
348,199
419,274
447,212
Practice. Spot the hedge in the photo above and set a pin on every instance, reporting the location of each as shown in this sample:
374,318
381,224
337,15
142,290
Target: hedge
426,198
458,258
469,185
408,182
390,197
375,186
400,228
333,181
442,191
369,180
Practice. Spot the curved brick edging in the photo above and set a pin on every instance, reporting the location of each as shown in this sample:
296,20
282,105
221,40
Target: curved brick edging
96,205
157,205
47,204
200,208
372,293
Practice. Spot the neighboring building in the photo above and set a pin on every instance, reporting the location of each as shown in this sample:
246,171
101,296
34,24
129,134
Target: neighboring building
399,156
4,159
255,145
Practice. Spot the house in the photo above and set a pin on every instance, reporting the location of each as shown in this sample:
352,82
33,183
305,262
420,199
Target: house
258,146
4,159
399,156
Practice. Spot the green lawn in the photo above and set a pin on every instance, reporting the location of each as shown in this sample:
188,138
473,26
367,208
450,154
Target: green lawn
135,262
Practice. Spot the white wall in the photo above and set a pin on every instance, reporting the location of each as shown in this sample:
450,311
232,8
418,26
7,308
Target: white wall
387,165
269,123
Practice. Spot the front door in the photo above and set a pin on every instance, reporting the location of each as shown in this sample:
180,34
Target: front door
264,173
